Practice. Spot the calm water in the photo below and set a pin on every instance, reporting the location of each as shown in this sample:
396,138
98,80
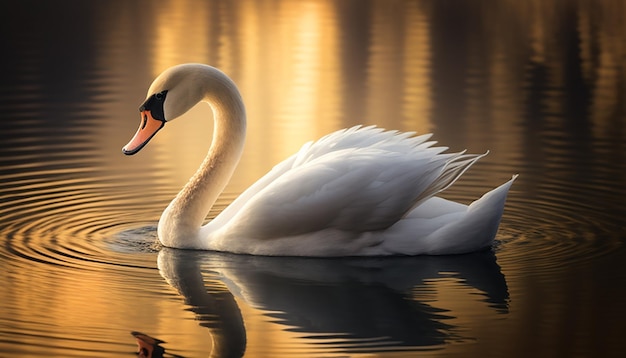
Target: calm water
541,84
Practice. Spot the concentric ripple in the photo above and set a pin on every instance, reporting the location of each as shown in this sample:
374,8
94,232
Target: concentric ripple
63,260
564,211
61,222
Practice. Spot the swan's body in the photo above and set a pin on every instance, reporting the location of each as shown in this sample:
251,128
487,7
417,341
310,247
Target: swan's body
355,192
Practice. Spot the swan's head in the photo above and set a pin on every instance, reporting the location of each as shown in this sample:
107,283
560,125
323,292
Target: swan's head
171,94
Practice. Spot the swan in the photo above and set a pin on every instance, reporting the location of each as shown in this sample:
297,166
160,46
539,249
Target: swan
361,191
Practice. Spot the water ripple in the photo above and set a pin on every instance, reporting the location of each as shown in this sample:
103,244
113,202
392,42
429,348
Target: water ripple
550,232
60,217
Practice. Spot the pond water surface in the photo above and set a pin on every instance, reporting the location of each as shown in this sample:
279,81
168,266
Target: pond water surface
541,84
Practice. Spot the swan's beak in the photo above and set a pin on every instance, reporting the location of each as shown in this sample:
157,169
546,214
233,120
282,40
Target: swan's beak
147,129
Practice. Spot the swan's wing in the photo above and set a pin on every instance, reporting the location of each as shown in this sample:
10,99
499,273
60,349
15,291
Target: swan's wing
350,138
356,189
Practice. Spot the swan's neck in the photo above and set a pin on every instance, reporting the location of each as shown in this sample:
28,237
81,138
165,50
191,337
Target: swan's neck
180,222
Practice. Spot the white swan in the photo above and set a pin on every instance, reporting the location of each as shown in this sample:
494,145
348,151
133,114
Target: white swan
361,191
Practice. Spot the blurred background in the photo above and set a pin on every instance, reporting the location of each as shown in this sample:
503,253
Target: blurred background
540,84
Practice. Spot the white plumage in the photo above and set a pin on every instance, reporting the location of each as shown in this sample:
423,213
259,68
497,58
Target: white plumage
357,191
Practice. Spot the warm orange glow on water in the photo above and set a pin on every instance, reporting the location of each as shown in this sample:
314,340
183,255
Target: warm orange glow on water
417,64
538,83
179,33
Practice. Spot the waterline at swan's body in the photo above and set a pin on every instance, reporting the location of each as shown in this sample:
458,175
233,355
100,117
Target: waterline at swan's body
358,191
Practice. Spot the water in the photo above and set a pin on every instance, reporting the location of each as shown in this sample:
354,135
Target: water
541,84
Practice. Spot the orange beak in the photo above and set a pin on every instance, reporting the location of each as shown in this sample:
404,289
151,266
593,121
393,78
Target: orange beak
147,129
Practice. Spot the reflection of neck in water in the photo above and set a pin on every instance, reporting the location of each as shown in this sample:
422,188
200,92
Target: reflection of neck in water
217,311
357,304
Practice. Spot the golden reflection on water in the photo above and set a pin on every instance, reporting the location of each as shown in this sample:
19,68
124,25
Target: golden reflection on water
417,101
306,69
290,72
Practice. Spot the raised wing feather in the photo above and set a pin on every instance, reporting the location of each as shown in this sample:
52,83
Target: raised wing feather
362,137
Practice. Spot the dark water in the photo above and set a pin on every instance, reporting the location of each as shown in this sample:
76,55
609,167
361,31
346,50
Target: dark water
541,84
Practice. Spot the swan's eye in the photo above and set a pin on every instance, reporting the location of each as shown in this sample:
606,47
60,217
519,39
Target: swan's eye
160,95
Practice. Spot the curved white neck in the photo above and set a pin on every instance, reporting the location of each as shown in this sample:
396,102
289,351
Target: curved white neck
181,220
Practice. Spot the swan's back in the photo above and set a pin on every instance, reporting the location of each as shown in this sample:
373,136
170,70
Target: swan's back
342,191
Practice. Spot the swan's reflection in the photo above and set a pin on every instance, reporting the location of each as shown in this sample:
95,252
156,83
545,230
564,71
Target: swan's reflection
354,303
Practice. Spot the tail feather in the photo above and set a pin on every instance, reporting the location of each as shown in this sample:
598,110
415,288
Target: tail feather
474,230
442,227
